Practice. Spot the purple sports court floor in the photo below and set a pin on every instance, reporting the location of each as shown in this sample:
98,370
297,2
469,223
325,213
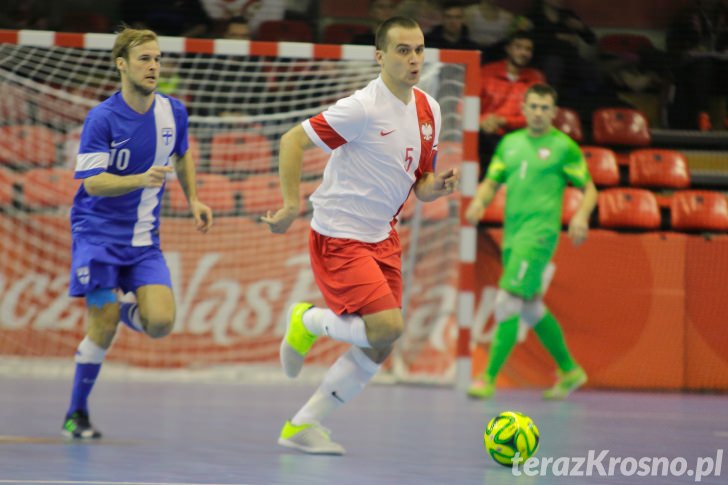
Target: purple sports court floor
225,433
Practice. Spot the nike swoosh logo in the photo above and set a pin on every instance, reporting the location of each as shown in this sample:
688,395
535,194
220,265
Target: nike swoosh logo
336,396
117,143
385,133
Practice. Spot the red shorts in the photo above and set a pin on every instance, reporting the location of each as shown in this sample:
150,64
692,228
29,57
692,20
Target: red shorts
354,275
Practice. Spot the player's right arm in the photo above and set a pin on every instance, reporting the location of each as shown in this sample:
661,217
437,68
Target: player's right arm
109,185
483,197
487,188
94,160
290,161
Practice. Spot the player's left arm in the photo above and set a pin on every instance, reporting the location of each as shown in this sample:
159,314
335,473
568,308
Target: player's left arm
186,174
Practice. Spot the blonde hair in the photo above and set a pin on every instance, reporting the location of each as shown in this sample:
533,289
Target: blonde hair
129,38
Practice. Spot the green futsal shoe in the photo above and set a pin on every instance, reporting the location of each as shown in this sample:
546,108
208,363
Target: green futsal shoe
297,341
566,383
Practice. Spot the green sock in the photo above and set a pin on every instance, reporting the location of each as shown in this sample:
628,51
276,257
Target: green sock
504,340
551,336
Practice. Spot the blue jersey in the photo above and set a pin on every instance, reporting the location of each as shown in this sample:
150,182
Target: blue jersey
120,141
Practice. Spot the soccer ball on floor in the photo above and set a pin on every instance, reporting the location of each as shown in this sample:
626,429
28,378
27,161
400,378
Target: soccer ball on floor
509,433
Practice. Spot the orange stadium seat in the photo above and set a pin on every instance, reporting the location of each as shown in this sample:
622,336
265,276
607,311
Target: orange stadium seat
572,200
7,184
284,31
45,188
23,145
602,163
620,126
343,33
259,193
494,214
240,151
628,208
658,168
214,190
699,210
567,120
14,106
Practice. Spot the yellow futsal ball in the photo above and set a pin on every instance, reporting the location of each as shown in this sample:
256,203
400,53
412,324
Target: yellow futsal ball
509,433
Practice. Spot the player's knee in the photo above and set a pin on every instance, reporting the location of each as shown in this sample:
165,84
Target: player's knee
507,305
157,324
159,328
385,331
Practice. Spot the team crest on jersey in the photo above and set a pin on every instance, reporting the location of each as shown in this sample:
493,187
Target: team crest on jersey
167,133
83,274
426,130
544,153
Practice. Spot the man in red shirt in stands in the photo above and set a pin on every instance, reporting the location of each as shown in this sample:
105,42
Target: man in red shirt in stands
503,86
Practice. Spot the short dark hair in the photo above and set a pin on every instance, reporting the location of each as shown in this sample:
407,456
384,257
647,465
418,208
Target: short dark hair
519,35
542,89
380,38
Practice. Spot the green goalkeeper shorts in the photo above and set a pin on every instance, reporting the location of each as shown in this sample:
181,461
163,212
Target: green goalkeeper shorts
523,269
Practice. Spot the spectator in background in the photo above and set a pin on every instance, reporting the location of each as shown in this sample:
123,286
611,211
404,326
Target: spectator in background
558,31
379,11
427,13
489,26
237,28
178,18
697,40
502,87
256,11
452,33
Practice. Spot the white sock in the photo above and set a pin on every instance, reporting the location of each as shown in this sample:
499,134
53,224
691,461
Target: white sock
343,381
344,328
88,352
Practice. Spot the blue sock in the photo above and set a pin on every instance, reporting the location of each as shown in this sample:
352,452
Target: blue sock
129,316
83,382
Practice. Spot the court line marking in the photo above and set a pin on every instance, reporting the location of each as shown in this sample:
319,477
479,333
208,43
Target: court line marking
95,482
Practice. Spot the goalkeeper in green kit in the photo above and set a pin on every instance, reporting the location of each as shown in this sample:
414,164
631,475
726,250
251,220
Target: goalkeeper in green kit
535,163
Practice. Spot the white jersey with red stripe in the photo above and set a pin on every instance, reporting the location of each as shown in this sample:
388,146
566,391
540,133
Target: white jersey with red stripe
380,148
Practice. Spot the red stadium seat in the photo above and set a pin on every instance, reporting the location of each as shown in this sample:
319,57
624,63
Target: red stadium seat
343,33
626,46
620,126
494,213
7,184
572,201
241,151
21,145
626,208
658,169
14,106
213,190
284,31
602,163
567,120
699,210
259,193
45,188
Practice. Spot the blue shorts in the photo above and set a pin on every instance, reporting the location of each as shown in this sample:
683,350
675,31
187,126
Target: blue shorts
95,266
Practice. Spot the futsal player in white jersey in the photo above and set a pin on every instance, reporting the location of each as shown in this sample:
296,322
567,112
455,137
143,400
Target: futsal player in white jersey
383,142
129,144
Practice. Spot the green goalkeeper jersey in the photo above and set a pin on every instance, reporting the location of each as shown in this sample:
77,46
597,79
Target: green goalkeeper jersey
536,171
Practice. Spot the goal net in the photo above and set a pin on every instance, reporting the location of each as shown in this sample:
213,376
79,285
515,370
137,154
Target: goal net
233,285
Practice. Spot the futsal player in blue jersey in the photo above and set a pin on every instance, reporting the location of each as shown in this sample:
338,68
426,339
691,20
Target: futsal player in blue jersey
129,144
